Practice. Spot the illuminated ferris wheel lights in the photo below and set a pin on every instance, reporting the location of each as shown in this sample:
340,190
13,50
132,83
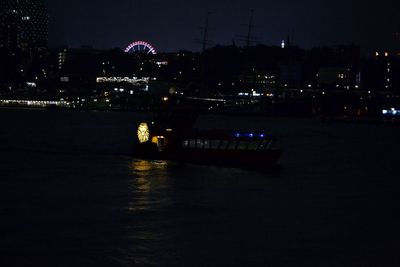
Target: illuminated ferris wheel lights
141,47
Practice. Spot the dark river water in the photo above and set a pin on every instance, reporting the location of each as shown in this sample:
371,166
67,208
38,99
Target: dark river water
70,195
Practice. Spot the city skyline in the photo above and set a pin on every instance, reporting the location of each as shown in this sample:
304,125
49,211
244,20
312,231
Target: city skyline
23,24
177,25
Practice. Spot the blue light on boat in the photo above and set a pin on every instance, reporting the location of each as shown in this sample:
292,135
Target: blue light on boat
250,135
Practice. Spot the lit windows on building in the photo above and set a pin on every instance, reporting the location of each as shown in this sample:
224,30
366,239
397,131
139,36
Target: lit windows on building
23,23
62,56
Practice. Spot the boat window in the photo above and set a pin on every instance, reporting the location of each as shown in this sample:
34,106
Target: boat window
185,143
270,142
224,144
192,143
254,145
161,144
232,145
199,143
215,144
243,145
266,144
206,144
263,144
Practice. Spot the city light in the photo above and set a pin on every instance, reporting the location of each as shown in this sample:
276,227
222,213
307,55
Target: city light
391,112
34,103
31,84
133,80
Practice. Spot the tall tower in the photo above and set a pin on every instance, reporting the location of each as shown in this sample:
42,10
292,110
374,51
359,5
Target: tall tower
398,40
23,24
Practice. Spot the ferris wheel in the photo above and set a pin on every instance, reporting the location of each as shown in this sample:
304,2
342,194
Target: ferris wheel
141,47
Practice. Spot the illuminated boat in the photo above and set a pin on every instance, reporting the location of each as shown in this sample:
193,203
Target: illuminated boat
208,147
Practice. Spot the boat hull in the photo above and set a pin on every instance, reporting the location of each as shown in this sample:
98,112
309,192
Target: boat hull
228,158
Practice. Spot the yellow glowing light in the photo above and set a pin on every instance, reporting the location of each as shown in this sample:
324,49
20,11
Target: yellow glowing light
143,132
155,139
386,54
168,130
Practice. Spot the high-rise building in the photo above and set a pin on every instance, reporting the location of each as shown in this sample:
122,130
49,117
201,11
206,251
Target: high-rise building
397,34
23,24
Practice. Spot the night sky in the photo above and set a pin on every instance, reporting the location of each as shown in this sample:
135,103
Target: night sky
176,24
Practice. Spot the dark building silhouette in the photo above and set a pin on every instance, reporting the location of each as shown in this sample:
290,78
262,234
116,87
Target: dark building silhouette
381,72
23,24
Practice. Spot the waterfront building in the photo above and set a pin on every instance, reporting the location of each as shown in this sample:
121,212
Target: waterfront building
334,77
381,72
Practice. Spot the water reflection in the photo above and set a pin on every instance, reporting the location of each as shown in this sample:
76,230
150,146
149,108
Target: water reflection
148,222
149,184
